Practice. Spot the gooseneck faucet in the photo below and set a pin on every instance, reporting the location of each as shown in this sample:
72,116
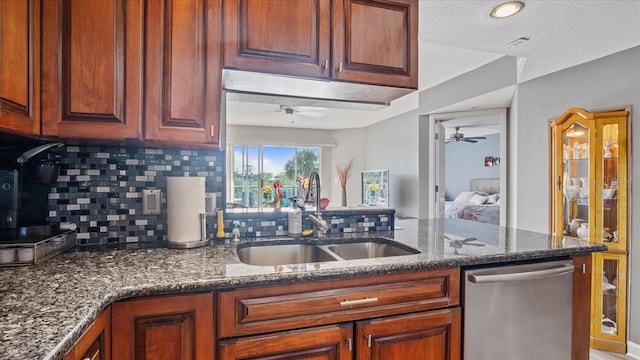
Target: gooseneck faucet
319,226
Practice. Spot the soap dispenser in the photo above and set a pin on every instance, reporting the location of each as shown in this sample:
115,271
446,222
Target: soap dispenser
295,219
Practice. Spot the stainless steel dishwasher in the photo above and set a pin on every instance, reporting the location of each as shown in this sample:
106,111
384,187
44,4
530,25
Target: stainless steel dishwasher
518,312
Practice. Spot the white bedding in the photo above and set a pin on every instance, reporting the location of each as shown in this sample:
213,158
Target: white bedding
485,213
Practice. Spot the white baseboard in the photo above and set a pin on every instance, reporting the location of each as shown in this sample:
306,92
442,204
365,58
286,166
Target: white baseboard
633,350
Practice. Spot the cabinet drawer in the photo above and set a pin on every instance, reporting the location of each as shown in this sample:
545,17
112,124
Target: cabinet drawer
282,307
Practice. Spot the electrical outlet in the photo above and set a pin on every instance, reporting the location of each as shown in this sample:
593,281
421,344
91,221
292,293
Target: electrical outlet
151,201
210,203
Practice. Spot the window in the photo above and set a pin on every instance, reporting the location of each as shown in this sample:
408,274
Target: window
257,168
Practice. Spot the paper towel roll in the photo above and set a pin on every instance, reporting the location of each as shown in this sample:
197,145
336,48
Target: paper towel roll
185,203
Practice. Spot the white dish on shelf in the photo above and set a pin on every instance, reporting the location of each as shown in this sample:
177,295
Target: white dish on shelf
608,193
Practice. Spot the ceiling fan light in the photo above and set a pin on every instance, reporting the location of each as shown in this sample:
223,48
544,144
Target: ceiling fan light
506,9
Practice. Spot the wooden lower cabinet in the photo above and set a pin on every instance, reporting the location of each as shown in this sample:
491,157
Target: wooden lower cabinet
95,344
168,327
320,343
429,335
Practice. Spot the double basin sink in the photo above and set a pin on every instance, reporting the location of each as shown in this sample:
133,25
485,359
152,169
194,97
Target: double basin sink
287,252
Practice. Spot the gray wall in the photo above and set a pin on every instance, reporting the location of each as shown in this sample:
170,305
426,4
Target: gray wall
393,144
465,161
606,83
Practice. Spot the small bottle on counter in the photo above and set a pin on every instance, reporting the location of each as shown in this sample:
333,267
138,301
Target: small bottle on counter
295,220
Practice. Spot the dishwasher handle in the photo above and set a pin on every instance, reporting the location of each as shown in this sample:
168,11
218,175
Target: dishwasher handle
523,276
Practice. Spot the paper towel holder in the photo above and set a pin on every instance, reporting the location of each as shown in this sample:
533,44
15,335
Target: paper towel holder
193,244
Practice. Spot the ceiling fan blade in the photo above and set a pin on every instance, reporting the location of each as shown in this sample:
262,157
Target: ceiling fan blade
448,141
469,140
476,138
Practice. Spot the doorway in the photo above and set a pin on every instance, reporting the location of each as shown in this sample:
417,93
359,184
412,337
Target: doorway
469,157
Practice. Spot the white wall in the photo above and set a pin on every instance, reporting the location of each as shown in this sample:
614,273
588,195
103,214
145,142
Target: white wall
393,144
349,145
606,83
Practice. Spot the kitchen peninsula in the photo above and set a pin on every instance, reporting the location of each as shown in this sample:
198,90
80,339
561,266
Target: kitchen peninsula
46,308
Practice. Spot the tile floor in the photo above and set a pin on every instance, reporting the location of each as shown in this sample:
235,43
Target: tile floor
605,355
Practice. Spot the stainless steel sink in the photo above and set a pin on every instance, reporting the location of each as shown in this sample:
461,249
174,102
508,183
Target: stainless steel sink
283,254
289,253
370,249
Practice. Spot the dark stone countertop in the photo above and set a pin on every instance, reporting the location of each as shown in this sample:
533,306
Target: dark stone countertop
46,307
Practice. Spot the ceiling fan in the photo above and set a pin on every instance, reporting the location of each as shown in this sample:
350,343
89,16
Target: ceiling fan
458,136
304,110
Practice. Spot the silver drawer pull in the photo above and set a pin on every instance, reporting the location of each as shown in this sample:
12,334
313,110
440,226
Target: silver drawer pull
358,302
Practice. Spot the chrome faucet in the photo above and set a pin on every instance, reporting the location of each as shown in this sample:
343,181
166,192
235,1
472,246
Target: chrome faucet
319,226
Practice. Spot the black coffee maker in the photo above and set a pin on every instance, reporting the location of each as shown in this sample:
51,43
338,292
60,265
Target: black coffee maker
26,177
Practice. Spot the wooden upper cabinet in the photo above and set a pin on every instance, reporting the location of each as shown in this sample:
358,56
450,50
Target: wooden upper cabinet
376,42
91,73
182,72
276,36
20,66
166,327
360,41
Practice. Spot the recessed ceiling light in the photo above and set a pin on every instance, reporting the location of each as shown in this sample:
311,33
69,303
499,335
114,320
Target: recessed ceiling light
507,9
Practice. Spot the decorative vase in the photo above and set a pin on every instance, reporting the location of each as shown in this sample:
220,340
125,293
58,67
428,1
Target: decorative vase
583,231
575,225
344,196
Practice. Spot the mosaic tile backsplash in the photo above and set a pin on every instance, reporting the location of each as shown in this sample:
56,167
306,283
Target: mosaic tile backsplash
99,189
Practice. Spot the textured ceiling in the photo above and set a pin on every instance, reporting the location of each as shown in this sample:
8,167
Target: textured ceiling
458,36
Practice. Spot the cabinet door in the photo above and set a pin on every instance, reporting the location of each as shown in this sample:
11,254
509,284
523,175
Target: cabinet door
432,335
321,343
170,327
20,66
182,72
573,174
376,42
611,183
581,310
609,307
91,76
95,344
275,36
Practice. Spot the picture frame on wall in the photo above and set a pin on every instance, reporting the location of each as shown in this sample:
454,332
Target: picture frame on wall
488,161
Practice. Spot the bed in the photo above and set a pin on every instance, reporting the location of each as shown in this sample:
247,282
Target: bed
481,203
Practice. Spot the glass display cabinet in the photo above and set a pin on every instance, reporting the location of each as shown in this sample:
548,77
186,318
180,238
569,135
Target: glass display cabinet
589,201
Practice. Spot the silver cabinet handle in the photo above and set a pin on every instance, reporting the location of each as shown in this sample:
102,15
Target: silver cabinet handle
368,337
358,302
340,66
350,344
203,227
326,64
523,276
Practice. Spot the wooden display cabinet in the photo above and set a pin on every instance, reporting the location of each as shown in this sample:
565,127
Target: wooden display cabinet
589,200
609,306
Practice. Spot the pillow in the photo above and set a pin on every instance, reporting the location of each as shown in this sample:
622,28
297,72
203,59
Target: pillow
465,196
493,198
478,199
